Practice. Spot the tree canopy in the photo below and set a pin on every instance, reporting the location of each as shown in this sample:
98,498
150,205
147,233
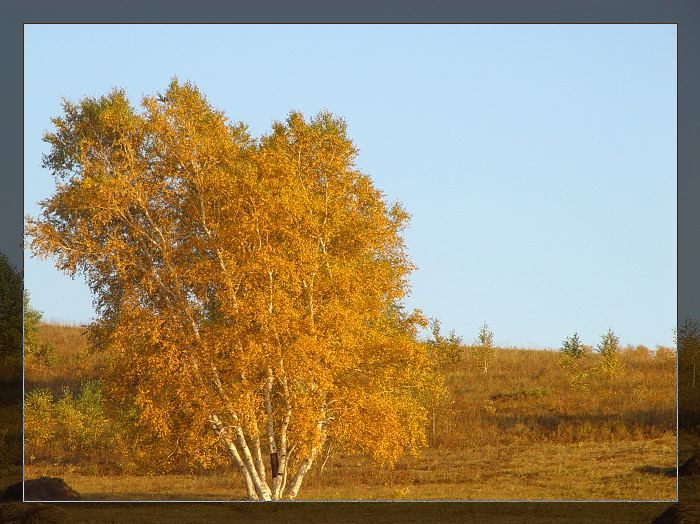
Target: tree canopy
249,291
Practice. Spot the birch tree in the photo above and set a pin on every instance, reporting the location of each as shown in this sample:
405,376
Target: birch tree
572,357
572,348
609,351
483,350
248,290
446,353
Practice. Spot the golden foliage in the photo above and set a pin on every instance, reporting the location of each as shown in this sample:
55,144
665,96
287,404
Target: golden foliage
219,262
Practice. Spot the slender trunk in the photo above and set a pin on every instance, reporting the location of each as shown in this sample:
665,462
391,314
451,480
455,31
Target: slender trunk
280,481
233,452
304,468
255,437
257,455
276,466
257,479
328,454
261,487
283,485
306,464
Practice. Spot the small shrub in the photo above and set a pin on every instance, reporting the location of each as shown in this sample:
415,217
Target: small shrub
664,355
572,353
572,347
39,424
609,350
483,351
70,429
35,352
446,352
642,351
579,379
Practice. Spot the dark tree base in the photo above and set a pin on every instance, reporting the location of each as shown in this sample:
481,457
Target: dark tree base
680,514
44,488
690,466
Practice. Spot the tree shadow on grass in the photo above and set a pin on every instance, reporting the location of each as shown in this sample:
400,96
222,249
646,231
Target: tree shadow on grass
649,419
657,470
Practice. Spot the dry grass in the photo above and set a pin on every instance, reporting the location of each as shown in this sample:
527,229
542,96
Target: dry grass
528,397
74,362
523,432
627,470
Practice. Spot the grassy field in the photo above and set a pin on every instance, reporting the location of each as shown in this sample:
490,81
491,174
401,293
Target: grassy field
528,430
626,470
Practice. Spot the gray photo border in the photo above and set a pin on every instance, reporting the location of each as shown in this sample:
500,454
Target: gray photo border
686,14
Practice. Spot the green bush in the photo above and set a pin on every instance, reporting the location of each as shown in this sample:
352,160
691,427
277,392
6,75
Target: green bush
445,352
68,430
573,356
572,347
34,350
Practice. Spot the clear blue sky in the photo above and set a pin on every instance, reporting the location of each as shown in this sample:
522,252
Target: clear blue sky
538,161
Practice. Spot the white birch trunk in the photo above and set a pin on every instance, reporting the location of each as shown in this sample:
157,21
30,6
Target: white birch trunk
304,468
306,464
280,481
257,455
277,466
261,487
233,452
